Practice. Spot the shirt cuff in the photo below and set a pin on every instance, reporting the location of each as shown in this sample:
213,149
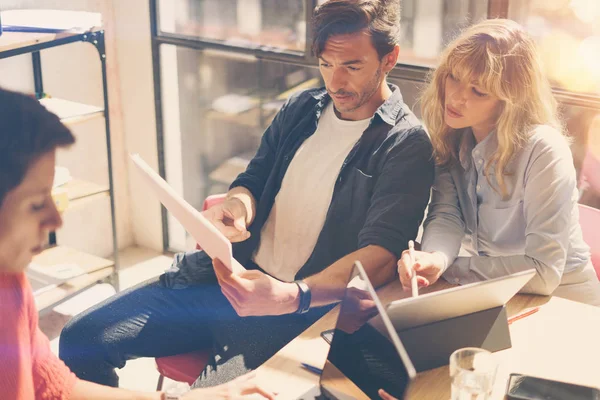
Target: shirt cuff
459,271
431,245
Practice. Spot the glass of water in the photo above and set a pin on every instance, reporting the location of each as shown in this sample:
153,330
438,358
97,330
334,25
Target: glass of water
472,373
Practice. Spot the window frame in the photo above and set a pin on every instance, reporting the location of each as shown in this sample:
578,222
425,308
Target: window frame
403,70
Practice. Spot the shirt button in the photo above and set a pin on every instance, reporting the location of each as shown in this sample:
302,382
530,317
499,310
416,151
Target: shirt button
478,187
456,280
480,161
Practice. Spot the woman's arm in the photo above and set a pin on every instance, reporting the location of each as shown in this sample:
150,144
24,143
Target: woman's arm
549,197
444,227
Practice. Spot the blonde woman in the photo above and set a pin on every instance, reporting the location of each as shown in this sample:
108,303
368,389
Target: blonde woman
505,188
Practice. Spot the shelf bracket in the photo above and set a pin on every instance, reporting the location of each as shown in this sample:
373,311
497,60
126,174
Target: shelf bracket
97,40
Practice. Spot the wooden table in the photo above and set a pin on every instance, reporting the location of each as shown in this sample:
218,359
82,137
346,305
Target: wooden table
561,341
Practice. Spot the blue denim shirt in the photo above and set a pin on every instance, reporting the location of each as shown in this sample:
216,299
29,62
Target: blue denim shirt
535,226
379,197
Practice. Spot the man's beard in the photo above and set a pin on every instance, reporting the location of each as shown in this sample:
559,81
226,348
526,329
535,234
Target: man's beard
365,95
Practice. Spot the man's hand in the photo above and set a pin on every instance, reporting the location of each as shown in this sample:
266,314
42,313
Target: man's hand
428,266
243,387
253,293
359,307
230,218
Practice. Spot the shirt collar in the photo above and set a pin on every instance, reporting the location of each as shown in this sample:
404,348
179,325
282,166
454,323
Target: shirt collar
389,111
470,148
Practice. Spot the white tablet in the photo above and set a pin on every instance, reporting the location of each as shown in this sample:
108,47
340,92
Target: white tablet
210,239
462,300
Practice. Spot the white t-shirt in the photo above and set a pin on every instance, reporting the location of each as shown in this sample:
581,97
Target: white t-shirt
297,217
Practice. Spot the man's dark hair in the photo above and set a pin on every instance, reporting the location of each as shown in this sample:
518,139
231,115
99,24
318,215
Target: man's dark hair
381,18
27,131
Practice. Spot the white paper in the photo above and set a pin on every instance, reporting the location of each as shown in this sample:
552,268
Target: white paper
61,176
210,239
46,277
52,19
60,272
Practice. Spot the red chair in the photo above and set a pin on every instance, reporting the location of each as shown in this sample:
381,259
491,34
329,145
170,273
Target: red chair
186,367
589,177
589,219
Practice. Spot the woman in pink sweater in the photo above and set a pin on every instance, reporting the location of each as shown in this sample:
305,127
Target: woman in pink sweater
29,136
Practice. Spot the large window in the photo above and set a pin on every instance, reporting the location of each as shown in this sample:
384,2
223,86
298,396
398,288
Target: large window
227,66
568,37
278,24
427,25
217,106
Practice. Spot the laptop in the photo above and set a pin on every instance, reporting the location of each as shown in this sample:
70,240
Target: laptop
365,353
445,304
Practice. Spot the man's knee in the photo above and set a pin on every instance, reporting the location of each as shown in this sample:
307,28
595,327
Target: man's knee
86,350
81,339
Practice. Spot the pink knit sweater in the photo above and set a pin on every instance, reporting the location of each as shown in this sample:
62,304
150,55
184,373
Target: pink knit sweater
28,369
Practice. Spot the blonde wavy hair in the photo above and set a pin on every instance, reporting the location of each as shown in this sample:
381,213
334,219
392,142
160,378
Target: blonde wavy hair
498,56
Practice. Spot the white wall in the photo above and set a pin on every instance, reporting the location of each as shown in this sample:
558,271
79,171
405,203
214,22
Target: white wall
134,54
73,72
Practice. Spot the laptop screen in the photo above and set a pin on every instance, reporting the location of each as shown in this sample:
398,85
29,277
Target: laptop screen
365,348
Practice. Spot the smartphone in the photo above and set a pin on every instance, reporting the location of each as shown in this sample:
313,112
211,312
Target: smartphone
524,387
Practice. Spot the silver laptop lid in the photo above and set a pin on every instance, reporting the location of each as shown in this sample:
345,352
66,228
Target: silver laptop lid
365,348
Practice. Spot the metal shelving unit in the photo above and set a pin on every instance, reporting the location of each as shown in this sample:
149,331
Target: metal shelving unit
78,192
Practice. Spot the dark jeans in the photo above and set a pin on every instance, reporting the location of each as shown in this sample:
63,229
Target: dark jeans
152,320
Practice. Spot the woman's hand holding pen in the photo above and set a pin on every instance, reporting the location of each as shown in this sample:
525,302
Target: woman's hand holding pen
427,266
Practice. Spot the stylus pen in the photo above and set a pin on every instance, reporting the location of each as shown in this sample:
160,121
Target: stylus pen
413,277
523,315
315,370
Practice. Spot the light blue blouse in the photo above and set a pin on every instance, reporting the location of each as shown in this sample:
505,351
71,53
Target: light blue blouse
535,226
